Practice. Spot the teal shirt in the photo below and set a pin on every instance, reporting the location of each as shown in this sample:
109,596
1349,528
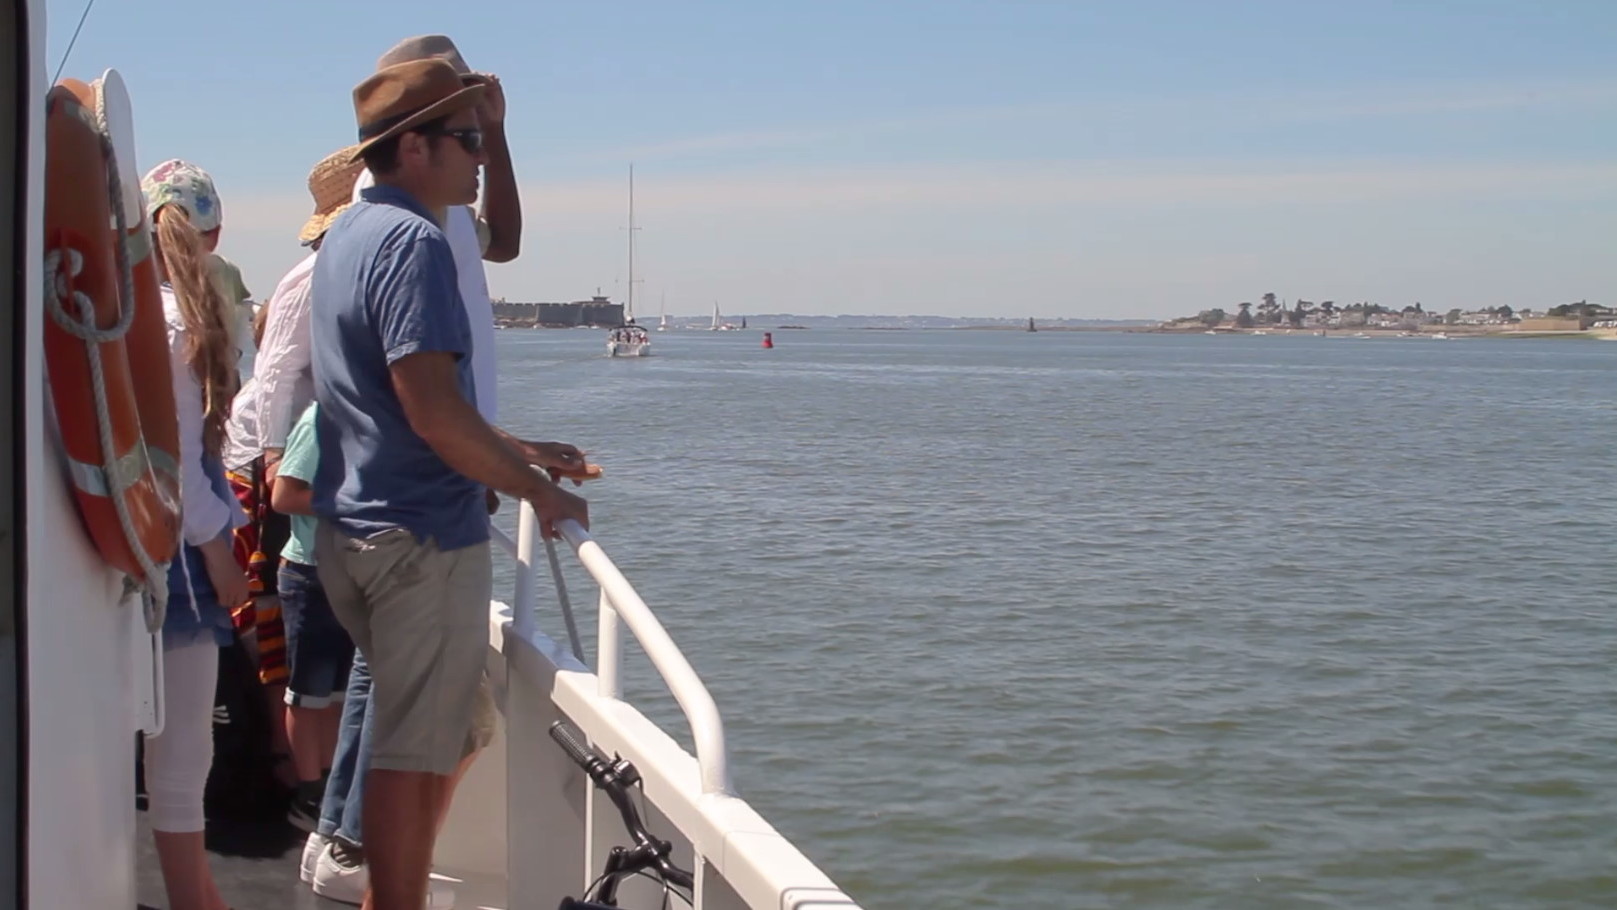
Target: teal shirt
299,461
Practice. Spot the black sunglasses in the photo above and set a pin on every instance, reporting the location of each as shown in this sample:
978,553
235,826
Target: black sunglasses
470,138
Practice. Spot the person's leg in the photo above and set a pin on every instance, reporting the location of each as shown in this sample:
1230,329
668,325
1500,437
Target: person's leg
339,874
427,659
177,763
345,774
350,827
300,732
400,827
344,801
317,650
477,739
272,675
326,726
330,643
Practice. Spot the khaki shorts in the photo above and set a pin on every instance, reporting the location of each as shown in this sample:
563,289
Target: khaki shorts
420,617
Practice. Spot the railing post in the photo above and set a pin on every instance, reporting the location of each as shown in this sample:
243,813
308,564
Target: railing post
525,611
609,649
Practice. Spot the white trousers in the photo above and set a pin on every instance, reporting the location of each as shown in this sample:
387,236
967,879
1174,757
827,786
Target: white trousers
178,759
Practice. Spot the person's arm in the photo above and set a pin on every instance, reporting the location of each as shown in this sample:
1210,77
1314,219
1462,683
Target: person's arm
429,392
291,496
291,492
502,205
203,515
284,360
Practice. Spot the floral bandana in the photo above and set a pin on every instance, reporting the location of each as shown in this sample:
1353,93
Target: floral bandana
176,182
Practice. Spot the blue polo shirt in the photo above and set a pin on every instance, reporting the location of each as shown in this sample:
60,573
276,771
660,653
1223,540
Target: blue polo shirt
385,287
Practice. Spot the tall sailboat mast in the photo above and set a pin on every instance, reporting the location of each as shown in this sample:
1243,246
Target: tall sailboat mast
630,307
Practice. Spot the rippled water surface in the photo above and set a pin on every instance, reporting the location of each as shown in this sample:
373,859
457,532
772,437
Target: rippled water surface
1108,620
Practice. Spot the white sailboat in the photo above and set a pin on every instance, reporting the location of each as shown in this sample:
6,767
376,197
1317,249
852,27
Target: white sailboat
629,339
662,320
719,325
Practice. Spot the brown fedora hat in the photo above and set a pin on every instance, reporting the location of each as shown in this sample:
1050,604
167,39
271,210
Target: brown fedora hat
405,95
331,183
426,47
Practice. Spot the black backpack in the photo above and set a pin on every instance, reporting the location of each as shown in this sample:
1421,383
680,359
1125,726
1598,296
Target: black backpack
242,785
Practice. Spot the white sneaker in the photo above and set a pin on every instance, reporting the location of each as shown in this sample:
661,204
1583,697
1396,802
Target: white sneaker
347,884
337,882
311,855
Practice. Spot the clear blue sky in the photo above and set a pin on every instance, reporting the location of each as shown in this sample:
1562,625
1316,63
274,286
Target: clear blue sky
1060,158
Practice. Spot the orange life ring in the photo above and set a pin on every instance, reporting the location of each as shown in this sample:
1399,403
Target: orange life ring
128,497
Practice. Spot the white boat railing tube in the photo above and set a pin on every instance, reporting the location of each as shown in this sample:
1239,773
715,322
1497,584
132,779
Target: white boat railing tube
525,610
620,602
609,649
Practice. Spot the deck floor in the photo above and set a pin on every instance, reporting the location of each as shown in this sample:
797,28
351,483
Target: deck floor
256,866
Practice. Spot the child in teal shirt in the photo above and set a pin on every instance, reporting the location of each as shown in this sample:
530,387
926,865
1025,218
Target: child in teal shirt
319,651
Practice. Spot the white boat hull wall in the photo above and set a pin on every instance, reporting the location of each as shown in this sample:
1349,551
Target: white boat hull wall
80,643
557,828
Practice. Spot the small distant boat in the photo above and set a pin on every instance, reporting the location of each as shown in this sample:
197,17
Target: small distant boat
1440,336
628,341
719,325
1030,326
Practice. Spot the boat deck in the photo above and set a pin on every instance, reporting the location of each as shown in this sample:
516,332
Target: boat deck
256,866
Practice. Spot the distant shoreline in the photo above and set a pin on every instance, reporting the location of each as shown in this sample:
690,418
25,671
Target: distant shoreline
1457,331
1450,331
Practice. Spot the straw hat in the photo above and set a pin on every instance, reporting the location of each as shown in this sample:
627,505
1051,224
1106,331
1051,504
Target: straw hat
331,183
398,98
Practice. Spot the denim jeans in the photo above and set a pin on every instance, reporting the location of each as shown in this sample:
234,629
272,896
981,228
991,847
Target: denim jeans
344,805
318,649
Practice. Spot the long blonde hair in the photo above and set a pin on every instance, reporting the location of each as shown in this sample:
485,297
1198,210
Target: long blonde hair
210,350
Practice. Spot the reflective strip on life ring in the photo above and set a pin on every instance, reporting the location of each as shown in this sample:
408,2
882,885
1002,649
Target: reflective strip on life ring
126,469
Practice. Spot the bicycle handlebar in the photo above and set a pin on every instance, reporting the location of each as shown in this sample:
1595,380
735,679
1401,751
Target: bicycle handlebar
616,777
582,753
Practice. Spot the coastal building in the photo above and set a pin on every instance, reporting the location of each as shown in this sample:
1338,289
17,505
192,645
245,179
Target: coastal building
597,312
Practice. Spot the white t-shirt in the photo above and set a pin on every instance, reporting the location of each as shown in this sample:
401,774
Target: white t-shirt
468,252
284,370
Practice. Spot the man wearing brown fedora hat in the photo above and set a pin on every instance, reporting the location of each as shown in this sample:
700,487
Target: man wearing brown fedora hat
405,457
334,856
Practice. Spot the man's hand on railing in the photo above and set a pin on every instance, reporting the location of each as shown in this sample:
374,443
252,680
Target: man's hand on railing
558,459
552,504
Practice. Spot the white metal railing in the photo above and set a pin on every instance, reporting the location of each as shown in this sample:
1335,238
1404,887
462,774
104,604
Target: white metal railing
620,605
